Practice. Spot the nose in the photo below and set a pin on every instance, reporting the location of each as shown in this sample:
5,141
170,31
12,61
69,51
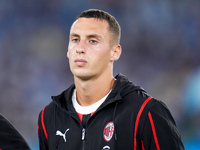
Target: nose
80,48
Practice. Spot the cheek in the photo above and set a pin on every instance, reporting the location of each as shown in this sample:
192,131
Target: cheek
71,47
70,51
70,56
105,55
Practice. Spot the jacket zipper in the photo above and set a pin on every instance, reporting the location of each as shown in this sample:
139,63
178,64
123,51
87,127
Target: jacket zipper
83,138
83,129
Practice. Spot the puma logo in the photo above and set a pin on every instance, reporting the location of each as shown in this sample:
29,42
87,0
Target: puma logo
106,148
61,134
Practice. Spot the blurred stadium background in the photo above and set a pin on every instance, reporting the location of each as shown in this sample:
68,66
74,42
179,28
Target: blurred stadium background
161,50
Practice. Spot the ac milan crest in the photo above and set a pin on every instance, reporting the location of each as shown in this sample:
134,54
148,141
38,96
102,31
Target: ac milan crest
108,131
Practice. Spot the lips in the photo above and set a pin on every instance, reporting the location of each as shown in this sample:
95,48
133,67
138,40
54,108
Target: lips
80,62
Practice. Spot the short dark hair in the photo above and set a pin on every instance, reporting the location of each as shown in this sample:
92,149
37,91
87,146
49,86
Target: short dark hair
114,26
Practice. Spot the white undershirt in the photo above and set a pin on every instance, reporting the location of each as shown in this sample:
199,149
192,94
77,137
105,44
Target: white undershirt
87,109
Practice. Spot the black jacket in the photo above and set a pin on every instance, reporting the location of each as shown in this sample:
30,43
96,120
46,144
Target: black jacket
129,119
10,138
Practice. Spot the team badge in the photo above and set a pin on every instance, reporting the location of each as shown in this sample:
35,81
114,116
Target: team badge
108,131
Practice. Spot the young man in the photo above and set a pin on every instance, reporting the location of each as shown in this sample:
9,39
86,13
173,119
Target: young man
100,111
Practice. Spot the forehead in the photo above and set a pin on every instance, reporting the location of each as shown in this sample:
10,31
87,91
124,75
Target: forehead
87,25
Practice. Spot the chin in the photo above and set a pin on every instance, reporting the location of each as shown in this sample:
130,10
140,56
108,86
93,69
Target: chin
82,76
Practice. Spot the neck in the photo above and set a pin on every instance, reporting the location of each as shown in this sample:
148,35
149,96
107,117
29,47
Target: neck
91,91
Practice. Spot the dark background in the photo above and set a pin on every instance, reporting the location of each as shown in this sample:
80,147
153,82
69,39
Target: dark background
161,49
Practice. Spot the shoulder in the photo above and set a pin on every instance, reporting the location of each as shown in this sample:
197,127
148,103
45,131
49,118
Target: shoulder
156,112
159,109
157,106
59,101
48,108
47,114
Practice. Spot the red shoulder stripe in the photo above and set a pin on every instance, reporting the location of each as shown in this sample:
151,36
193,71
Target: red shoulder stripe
142,145
37,130
138,119
43,125
154,131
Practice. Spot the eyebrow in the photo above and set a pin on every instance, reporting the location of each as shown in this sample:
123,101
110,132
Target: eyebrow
95,36
74,35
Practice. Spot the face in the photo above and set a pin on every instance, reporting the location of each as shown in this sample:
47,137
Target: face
90,51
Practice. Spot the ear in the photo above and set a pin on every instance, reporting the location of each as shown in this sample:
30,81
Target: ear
115,52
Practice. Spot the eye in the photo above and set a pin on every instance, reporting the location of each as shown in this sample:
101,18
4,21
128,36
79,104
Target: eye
93,41
75,40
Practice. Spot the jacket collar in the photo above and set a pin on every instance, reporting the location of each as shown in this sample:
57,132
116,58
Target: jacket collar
121,88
